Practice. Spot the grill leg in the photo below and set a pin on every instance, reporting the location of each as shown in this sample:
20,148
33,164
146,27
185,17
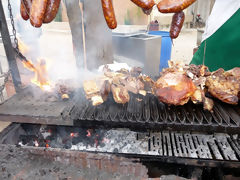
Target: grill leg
9,50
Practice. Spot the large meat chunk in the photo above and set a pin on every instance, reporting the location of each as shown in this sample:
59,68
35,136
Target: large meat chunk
147,82
90,87
225,86
174,88
97,90
120,94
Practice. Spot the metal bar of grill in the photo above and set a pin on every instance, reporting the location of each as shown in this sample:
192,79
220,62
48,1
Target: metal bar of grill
217,147
26,107
9,50
150,113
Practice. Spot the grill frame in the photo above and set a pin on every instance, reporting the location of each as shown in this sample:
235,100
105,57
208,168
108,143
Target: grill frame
27,107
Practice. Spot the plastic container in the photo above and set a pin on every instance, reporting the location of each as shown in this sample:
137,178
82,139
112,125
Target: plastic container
166,48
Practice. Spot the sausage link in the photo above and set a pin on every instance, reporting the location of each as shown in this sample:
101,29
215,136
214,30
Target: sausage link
145,4
177,23
37,12
51,11
23,12
109,14
173,6
28,5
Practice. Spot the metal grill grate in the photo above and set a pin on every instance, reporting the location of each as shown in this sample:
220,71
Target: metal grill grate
151,113
177,146
171,146
217,147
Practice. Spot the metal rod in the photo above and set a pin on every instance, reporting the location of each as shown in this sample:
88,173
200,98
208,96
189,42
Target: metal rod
9,50
83,36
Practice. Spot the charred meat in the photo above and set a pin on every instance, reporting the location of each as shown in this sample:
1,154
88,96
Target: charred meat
225,86
97,90
120,94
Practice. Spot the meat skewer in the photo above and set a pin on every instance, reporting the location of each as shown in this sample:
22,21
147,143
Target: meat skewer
83,36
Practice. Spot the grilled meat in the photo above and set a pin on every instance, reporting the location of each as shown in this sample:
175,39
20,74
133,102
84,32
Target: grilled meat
133,84
174,88
97,90
97,100
199,74
208,103
90,87
181,82
123,71
120,94
136,71
197,96
120,83
65,88
105,89
147,82
225,86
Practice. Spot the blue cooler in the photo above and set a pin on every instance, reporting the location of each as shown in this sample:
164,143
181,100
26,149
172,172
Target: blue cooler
166,48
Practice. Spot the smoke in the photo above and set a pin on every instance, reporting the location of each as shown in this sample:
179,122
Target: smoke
55,42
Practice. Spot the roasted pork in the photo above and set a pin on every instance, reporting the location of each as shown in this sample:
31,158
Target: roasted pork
120,94
225,86
174,88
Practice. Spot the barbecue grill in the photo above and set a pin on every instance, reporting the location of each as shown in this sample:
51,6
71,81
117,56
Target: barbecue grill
142,130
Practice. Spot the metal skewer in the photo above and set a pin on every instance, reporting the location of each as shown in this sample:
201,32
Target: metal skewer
83,36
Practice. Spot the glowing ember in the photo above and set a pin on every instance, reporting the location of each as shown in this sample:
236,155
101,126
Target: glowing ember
105,140
36,144
74,134
88,133
47,141
96,142
65,96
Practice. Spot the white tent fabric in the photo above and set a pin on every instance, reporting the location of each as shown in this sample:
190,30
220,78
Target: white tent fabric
221,12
